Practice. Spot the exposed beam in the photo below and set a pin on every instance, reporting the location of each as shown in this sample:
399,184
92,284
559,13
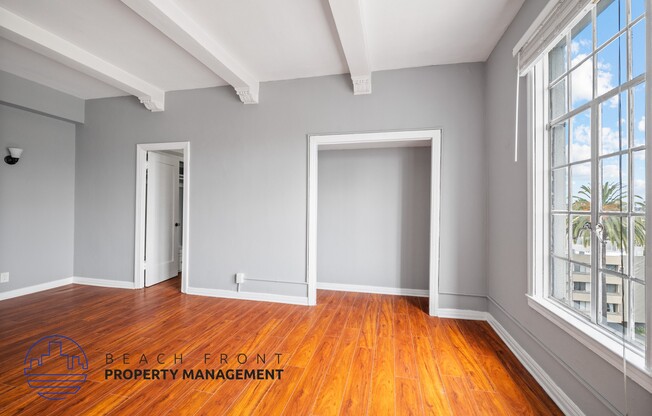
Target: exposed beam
29,35
350,27
171,20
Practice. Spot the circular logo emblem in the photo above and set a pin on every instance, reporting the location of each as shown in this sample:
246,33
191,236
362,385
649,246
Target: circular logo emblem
55,366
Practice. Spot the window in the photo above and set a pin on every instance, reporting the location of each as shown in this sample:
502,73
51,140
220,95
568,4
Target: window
588,103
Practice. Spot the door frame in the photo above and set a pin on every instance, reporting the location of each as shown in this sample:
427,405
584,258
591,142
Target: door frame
141,167
379,139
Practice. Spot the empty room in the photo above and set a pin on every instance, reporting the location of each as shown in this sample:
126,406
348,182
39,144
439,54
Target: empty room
325,207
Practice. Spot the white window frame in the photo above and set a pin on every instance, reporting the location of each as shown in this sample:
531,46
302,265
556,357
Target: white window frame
597,339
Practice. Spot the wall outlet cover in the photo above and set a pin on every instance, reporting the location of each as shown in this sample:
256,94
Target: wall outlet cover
239,277
4,277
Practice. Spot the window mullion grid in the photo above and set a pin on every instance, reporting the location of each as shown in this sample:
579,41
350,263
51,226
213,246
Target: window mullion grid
595,188
648,185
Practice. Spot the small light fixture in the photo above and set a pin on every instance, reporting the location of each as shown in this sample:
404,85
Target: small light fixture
14,155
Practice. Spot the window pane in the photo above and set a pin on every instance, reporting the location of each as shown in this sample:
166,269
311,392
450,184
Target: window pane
581,248
614,244
558,99
560,144
557,60
613,124
559,285
611,18
614,183
581,187
639,248
580,136
639,114
581,295
581,40
582,84
560,189
559,237
638,49
638,306
612,303
638,181
612,65
638,8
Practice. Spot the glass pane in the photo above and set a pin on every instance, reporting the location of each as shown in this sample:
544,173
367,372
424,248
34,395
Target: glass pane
581,40
638,309
558,99
614,244
559,237
638,49
580,136
614,183
557,60
559,285
638,181
639,114
611,18
560,144
638,8
581,248
581,288
612,65
639,248
582,84
613,121
560,189
613,288
581,187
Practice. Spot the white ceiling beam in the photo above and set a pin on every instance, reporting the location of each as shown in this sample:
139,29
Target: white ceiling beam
171,20
350,27
29,35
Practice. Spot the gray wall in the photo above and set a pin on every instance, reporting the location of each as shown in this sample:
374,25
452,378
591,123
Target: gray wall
374,216
248,167
585,377
27,95
36,199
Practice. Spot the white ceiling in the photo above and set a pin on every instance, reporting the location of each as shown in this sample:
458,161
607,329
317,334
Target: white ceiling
260,40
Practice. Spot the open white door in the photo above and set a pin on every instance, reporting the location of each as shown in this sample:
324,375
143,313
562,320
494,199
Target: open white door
161,259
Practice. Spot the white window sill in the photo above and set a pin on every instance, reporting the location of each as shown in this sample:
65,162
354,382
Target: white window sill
596,340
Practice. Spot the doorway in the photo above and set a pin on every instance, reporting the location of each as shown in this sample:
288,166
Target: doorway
430,138
162,184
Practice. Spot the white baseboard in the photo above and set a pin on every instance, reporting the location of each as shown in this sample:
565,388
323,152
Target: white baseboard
462,314
562,400
35,288
382,290
257,296
90,281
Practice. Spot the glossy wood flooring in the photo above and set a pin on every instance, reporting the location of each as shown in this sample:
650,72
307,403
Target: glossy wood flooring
353,354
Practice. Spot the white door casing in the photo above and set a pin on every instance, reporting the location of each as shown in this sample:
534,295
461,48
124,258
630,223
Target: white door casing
161,254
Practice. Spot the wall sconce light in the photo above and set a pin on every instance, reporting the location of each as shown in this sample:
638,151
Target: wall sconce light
14,155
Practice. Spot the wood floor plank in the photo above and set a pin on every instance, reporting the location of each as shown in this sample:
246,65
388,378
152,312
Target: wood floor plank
352,354
382,379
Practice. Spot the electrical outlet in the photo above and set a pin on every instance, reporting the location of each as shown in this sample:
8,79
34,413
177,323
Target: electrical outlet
239,277
4,277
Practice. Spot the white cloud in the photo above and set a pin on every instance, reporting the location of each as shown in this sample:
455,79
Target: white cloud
641,125
581,143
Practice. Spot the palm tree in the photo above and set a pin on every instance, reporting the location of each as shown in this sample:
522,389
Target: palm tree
614,198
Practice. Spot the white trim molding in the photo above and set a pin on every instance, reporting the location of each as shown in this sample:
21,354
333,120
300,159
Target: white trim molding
91,281
558,395
35,288
139,232
381,290
467,314
363,140
255,296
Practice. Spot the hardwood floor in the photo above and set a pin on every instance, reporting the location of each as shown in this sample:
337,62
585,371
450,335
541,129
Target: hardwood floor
353,354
